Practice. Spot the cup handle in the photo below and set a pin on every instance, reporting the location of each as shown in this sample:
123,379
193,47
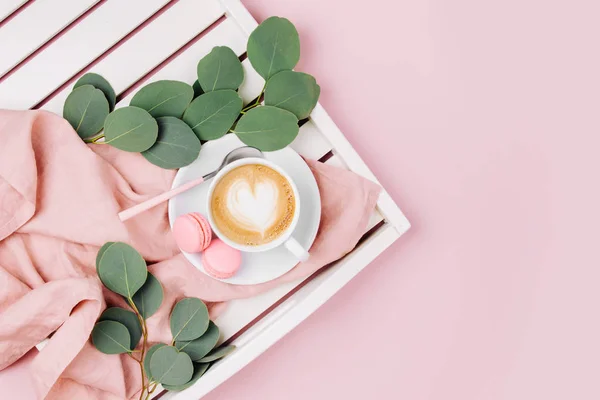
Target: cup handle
296,249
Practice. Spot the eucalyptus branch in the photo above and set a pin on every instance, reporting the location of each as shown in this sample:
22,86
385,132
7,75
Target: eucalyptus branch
256,102
144,344
150,391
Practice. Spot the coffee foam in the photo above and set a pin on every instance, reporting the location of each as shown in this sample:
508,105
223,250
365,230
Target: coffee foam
253,204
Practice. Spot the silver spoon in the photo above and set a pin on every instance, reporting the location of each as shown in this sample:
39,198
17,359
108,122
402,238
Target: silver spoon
234,155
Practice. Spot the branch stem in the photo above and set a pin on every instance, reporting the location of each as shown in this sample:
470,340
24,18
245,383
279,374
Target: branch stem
143,349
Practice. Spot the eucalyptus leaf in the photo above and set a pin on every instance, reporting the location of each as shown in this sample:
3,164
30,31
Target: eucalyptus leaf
217,354
164,98
111,337
197,89
176,145
267,128
211,115
149,298
199,370
99,82
189,319
130,129
148,357
293,91
122,269
101,252
274,46
169,366
86,109
200,347
220,69
128,318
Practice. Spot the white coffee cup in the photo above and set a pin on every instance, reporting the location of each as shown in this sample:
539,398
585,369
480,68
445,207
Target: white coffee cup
285,238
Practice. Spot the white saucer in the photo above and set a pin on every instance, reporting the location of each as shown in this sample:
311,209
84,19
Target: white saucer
256,267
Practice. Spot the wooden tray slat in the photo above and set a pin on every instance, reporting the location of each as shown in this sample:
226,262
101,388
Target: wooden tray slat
34,26
311,142
253,83
151,46
7,7
183,68
73,51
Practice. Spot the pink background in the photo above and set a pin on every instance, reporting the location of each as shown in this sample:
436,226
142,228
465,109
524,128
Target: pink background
481,118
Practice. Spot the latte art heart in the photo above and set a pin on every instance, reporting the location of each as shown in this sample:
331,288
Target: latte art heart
253,204
253,207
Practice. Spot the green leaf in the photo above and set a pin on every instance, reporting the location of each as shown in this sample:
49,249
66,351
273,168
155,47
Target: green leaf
274,46
200,347
176,146
86,109
164,98
148,357
130,129
217,354
293,91
99,82
149,298
197,88
169,366
211,115
199,370
189,319
267,128
220,69
111,337
128,318
101,252
122,269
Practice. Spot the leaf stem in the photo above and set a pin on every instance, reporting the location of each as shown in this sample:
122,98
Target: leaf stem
144,344
257,101
150,391
94,139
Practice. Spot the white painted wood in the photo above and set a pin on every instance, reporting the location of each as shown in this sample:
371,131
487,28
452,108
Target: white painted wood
241,312
184,67
310,142
253,83
151,46
34,26
239,13
289,314
8,6
73,51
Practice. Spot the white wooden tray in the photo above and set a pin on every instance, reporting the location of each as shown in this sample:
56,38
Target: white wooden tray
46,45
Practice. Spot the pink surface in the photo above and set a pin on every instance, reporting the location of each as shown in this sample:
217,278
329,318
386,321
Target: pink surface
55,217
481,119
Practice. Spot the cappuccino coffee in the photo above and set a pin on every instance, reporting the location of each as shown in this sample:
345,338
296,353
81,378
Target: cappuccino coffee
253,205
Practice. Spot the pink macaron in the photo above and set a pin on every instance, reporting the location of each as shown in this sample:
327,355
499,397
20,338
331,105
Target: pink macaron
192,232
221,260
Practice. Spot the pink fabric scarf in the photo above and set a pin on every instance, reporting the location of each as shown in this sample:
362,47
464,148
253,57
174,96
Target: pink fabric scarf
59,200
